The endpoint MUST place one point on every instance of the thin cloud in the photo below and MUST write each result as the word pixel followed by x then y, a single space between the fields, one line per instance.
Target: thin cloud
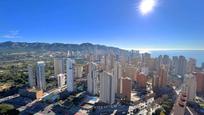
pixel 12 34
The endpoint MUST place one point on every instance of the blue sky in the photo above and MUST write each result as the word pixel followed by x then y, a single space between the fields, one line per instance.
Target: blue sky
pixel 173 24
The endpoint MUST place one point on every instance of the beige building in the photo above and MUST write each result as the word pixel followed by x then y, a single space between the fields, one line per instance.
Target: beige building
pixel 60 80
pixel 59 66
pixel 163 74
pixel 78 70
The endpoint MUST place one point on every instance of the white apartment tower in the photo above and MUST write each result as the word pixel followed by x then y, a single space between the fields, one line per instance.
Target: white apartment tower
pixel 107 90
pixel 92 79
pixel 70 72
pixel 40 74
pixel 117 72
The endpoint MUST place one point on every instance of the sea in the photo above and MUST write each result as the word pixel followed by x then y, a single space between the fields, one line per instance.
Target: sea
pixel 196 54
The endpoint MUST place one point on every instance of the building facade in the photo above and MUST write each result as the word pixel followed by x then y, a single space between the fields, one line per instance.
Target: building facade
pixel 70 75
pixel 31 76
pixel 190 85
pixel 59 66
pixel 60 80
pixel 92 79
pixel 107 90
pixel 127 88
pixel 117 72
pixel 40 75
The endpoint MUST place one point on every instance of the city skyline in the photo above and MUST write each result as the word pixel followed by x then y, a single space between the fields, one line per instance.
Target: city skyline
pixel 101 57
pixel 171 25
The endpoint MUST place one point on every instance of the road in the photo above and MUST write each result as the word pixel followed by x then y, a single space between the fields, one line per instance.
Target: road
pixel 22 108
pixel 8 98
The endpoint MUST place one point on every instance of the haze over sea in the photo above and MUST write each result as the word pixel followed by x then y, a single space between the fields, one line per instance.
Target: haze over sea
pixel 196 54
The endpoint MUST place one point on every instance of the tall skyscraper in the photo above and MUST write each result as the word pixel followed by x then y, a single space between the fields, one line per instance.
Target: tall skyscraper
pixel 155 82
pixel 70 72
pixel 146 57
pixel 182 66
pixel 159 62
pixel 59 66
pixel 31 76
pixel 127 88
pixel 117 72
pixel 163 74
pixel 92 79
pixel 191 65
pixel 190 85
pixel 40 74
pixel 60 80
pixel 107 90
pixel 109 62
pixel 175 65
pixel 166 60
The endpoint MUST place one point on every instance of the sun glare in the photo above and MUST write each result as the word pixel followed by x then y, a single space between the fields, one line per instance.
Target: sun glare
pixel 147 6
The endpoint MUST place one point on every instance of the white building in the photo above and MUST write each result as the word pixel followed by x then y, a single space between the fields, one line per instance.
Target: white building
pixel 107 90
pixel 117 73
pixel 70 75
pixel 60 80
pixel 59 66
pixel 31 76
pixel 190 85
pixel 92 79
pixel 40 74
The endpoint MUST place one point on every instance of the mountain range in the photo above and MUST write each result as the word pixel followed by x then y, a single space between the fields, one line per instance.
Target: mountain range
pixel 11 47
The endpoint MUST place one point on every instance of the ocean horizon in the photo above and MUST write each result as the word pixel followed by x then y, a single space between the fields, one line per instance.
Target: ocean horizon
pixel 195 54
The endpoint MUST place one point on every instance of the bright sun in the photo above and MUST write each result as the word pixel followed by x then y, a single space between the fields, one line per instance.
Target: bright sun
pixel 147 6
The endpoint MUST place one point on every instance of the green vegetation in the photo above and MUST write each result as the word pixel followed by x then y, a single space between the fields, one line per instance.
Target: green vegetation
pixel 7 109
pixel 13 75
pixel 166 107
pixel 202 105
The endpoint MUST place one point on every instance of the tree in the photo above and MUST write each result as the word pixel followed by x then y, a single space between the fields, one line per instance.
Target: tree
pixel 7 109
